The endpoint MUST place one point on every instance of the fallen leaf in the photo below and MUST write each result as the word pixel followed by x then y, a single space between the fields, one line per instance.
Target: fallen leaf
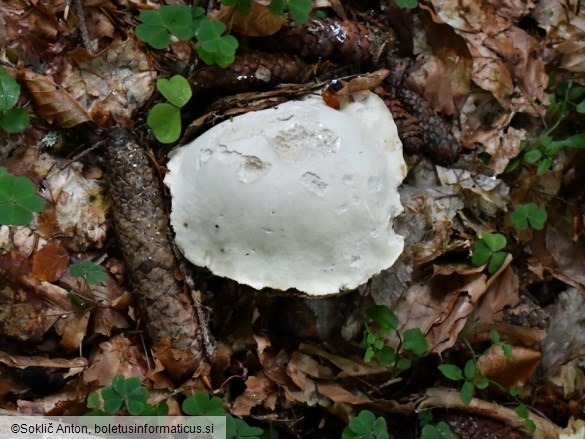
pixel 515 371
pixel 50 262
pixel 54 104
pixel 258 388
pixel 257 22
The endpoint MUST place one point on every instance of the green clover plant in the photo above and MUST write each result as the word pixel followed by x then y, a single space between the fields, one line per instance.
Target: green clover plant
pixel 92 273
pixel 18 199
pixel 165 118
pixel 124 393
pixel 528 214
pixel 472 378
pixel 440 430
pixel 380 323
pixel 366 426
pixel 567 101
pixel 487 248
pixel 186 24
pixel 407 4
pixel 12 120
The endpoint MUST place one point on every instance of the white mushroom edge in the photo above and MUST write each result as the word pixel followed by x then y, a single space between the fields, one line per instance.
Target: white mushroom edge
pixel 298 196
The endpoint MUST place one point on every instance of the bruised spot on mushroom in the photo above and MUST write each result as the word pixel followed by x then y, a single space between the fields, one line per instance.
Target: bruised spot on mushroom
pixel 305 192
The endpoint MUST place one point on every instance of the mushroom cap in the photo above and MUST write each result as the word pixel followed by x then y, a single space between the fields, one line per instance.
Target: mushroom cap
pixel 298 196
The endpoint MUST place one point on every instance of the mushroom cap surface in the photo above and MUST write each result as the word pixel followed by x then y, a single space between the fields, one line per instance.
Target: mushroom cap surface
pixel 298 196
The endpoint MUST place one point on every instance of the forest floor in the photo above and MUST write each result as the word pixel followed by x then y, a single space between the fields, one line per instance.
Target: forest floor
pixel 476 331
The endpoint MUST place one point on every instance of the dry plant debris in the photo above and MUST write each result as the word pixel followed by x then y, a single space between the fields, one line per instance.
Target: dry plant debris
pixel 474 86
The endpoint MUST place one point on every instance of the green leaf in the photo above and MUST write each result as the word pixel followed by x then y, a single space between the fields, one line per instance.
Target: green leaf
pixel 403 364
pixel 386 356
pixel 18 199
pixel 469 370
pixel 112 400
pixel 155 36
pixel 576 141
pixel 581 108
pixel 244 431
pixel 467 392
pixel 530 426
pixel 445 431
pixel 495 241
pixel 494 336
pixel 481 253
pixel 368 355
pixel 515 391
pixel 165 122
pixel 93 273
pixel 363 422
pixel 177 90
pixel 496 262
pixel 135 407
pixel 276 7
pixel 15 120
pixel 544 165
pixel 522 411
pixel 201 404
pixel 429 432
pixel 380 429
pixel 415 341
pixel 383 316
pixel 528 214
pixel 507 350
pixel 407 4
pixel 300 10
pixel 532 156
pixel 93 400
pixel 9 91
pixel 451 371
pixel 482 383
pixel 178 19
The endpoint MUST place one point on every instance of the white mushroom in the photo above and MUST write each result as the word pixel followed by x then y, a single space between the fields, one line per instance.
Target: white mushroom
pixel 299 196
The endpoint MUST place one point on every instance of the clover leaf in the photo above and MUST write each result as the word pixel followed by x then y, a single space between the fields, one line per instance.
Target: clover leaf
pixel 158 24
pixel 125 391
pixel 528 214
pixel 165 121
pixel 93 273
pixel 215 48
pixel 18 199
pixel 200 404
pixel 366 425
pixel 177 90
pixel 9 91
pixel 487 248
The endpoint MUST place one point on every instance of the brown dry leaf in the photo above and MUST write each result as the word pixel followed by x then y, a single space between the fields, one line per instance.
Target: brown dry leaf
pixel 565 33
pixel 117 356
pixel 110 85
pixel 258 389
pixel 21 362
pixel 72 328
pixel 258 22
pixel 24 316
pixel 515 371
pixel 350 367
pixel 53 104
pixel 502 292
pixel 566 247
pixel 441 306
pixel 50 262
pixel 442 71
pixel 504 56
pixel 310 366
pixel 66 401
pixel 336 393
